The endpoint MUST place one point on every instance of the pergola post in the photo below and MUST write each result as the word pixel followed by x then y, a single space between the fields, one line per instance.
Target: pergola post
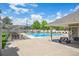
pixel 51 32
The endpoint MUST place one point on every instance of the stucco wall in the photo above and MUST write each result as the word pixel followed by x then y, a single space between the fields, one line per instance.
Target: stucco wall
pixel 78 31
pixel 74 32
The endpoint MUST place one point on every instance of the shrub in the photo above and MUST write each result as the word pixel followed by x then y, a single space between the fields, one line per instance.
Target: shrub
pixel 4 39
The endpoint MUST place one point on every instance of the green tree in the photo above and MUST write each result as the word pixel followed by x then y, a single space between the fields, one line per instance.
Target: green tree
pixel 36 25
pixel 43 24
pixel 47 27
pixel 61 28
pixel 7 21
pixel 58 27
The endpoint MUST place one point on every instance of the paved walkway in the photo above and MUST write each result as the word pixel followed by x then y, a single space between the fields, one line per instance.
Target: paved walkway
pixel 39 47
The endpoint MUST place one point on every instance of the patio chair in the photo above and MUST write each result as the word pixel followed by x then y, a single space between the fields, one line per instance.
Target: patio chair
pixel 64 40
pixel 76 38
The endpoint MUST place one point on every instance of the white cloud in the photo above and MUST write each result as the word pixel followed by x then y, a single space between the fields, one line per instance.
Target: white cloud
pixel 11 17
pixel 50 16
pixel 19 21
pixel 49 20
pixel 2 17
pixel 33 4
pixel 25 4
pixel 35 17
pixel 16 4
pixel 76 8
pixel 39 18
pixel 65 14
pixel 21 9
pixel 71 10
pixel 58 15
pixel 18 9
pixel 22 21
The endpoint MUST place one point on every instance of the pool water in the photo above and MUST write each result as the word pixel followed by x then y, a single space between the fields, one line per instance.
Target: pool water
pixel 43 34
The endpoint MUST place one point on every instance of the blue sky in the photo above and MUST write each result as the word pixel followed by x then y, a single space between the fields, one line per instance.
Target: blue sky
pixel 22 13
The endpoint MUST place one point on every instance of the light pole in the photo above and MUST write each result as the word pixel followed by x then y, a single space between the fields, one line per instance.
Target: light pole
pixel 50 31
pixel 26 25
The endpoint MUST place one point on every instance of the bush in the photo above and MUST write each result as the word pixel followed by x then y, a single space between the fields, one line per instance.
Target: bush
pixel 4 40
pixel 3 45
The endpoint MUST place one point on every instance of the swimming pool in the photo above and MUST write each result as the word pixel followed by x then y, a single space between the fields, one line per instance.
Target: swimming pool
pixel 39 34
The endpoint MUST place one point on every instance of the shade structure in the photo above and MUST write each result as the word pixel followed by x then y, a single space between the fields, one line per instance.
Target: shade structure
pixel 71 18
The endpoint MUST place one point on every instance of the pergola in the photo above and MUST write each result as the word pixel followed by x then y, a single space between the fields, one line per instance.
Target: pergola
pixel 0 35
pixel 9 28
pixel 66 21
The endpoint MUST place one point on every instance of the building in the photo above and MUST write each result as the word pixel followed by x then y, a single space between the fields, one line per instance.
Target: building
pixel 71 21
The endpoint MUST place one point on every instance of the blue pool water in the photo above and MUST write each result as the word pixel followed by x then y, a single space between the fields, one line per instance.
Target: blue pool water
pixel 43 34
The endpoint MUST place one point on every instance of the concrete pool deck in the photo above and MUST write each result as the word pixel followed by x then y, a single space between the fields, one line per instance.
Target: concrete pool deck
pixel 39 47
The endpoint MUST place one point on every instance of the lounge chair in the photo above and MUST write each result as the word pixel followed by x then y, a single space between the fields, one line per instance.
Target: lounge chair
pixel 64 39
pixel 76 38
